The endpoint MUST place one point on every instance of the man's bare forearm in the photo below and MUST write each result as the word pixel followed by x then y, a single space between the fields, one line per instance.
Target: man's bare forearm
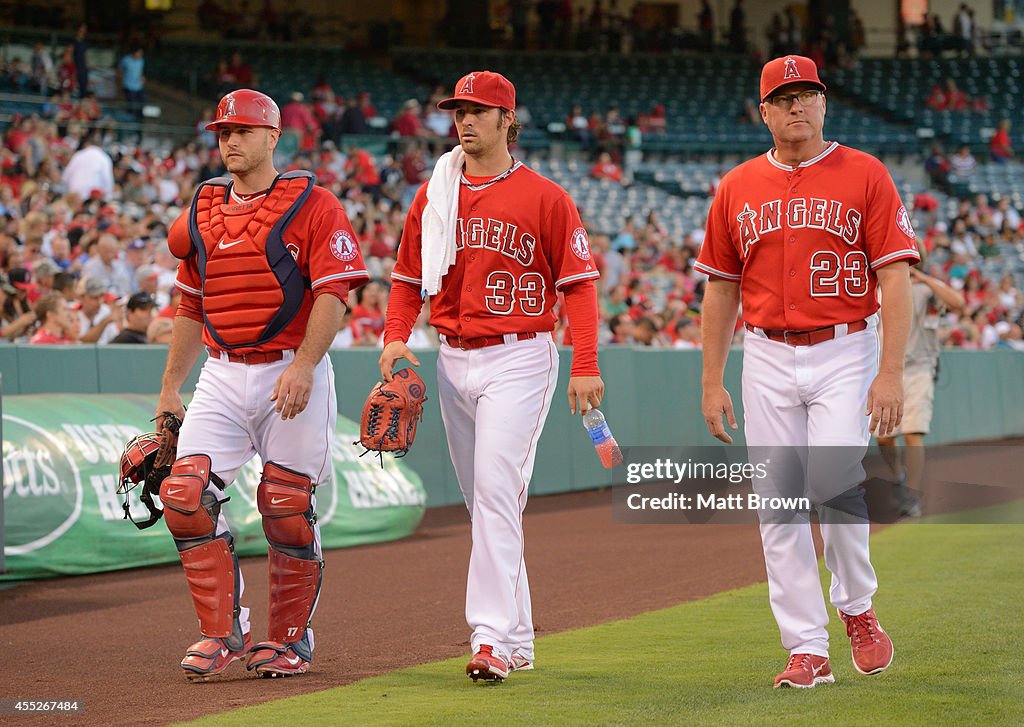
pixel 897 311
pixel 322 327
pixel 183 352
pixel 718 320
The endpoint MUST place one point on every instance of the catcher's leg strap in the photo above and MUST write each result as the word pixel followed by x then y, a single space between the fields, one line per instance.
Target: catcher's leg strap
pixel 285 501
pixel 190 511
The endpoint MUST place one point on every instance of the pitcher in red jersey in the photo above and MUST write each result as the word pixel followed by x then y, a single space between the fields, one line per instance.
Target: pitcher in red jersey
pixel 492 243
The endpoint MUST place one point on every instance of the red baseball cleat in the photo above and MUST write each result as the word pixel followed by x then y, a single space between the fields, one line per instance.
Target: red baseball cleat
pixel 872 648
pixel 485 665
pixel 805 671
pixel 209 657
pixel 272 659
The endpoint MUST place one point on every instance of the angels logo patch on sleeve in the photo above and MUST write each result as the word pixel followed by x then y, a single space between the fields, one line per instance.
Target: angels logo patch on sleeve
pixel 903 222
pixel 343 246
pixel 580 243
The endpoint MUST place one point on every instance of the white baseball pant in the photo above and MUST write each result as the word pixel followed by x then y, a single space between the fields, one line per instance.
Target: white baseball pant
pixel 494 402
pixel 810 400
pixel 232 419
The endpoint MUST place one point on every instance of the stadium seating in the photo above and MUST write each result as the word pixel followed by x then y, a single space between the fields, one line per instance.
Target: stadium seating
pixel 282 69
pixel 606 204
pixel 703 113
pixel 898 89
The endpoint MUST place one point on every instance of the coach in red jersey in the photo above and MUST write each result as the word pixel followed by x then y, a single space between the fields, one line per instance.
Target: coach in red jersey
pixel 492 243
pixel 803 235
pixel 267 261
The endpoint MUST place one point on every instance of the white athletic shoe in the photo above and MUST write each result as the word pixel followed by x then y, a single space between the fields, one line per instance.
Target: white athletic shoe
pixel 520 663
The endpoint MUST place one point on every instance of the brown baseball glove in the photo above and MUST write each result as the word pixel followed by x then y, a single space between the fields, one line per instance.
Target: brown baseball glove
pixel 168 434
pixel 391 413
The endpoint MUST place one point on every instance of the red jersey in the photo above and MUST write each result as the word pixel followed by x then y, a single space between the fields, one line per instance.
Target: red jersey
pixel 321 240
pixel 519 240
pixel 360 167
pixel 804 242
pixel 44 336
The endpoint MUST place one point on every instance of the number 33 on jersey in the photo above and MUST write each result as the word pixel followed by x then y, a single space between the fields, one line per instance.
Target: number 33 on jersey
pixel 804 242
pixel 518 240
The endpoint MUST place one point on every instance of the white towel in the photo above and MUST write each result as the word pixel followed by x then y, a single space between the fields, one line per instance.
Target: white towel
pixel 440 219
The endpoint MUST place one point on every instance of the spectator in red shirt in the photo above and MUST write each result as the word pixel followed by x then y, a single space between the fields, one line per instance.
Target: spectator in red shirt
pixel 947 98
pixel 241 71
pixel 361 170
pixel 1000 148
pixel 67 72
pixel 656 121
pixel 366 106
pixel 368 315
pixel 298 120
pixel 52 311
pixel 605 168
pixel 414 171
pixel 407 123
pixel 937 100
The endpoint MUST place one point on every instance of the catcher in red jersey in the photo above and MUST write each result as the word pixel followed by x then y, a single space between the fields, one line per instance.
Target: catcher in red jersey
pixel 802 235
pixel 267 261
pixel 492 243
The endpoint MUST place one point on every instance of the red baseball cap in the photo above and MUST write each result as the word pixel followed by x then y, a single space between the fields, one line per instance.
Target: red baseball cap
pixel 783 71
pixel 483 87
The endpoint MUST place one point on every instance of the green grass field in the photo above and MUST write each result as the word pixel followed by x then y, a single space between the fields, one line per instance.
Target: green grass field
pixel 951 599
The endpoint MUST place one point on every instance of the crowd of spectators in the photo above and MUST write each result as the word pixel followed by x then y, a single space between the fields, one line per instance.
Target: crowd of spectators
pixel 83 226
pixel 610 132
pixel 604 26
pixel 933 39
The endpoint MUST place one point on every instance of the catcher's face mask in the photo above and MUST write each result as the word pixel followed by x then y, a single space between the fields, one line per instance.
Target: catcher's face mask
pixel 137 468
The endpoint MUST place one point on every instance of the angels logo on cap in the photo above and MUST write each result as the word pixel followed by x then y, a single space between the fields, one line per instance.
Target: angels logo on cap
pixel 482 87
pixel 229 106
pixel 784 70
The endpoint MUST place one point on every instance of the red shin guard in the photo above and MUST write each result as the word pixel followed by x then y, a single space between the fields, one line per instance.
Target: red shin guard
pixel 294 584
pixel 210 570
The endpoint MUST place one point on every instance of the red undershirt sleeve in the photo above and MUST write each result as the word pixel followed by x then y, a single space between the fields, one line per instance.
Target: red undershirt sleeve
pixel 581 308
pixel 339 289
pixel 404 303
pixel 190 306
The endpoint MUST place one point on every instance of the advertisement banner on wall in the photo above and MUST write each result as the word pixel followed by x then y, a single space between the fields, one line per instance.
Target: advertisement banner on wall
pixel 61 458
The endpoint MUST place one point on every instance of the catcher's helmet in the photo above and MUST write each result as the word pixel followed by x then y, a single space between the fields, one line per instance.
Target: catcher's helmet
pixel 246 107
pixel 137 468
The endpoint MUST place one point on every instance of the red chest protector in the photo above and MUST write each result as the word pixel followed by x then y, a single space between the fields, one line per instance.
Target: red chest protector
pixel 252 286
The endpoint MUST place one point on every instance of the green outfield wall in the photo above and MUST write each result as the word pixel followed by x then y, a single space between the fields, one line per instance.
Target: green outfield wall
pixel 652 398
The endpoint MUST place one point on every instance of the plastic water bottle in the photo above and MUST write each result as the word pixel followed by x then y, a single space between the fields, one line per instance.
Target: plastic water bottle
pixel 605 444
